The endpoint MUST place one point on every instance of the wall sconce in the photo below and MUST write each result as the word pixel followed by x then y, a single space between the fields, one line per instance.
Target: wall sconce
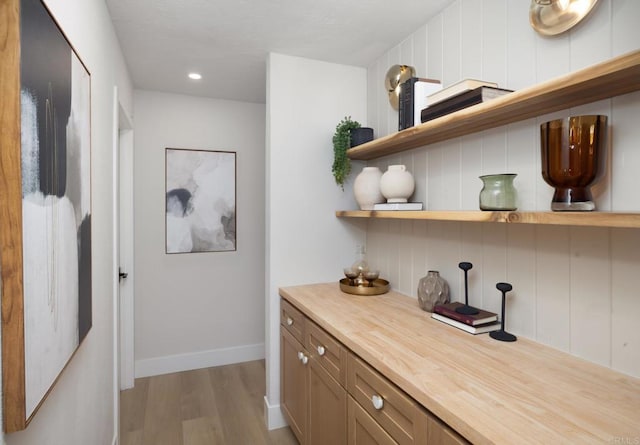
pixel 552 17
pixel 396 75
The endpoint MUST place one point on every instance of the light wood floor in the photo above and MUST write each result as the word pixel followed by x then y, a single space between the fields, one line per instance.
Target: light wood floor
pixel 221 405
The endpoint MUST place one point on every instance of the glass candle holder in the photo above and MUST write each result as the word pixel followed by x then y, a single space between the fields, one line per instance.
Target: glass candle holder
pixel 572 152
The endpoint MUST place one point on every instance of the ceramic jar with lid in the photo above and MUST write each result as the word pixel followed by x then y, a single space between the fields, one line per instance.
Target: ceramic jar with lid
pixel 397 184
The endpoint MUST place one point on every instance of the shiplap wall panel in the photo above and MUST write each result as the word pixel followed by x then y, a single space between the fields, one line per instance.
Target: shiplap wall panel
pixel 574 288
pixel 553 288
pixel 625 307
pixel 471 46
pixel 625 156
pixel 471 164
pixel 494 41
pixel 521 264
pixel 590 283
pixel 522 157
pixel 625 32
pixel 435 52
pixel 419 39
pixel 521 48
pixel 451 48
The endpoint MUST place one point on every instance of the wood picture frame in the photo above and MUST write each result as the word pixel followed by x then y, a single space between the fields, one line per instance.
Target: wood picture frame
pixel 45 206
pixel 200 191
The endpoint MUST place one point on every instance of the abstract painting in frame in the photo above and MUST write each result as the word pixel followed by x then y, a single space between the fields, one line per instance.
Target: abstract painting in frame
pixel 46 208
pixel 200 200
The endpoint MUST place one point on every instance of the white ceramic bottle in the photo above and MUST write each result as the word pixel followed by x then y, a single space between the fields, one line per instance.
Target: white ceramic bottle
pixel 397 184
pixel 366 188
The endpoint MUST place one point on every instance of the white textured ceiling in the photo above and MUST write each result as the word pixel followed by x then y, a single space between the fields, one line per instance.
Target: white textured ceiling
pixel 228 41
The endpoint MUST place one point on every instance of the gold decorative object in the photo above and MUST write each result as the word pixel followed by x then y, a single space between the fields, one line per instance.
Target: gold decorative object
pixel 375 287
pixel 552 17
pixel 396 75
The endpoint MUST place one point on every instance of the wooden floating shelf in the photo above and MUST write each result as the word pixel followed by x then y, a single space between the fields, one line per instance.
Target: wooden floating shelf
pixel 590 219
pixel 620 75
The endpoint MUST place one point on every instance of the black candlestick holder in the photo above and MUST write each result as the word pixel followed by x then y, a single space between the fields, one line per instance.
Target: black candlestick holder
pixel 466 309
pixel 503 335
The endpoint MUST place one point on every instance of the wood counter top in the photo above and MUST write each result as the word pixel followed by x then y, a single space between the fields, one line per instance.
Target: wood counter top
pixel 489 391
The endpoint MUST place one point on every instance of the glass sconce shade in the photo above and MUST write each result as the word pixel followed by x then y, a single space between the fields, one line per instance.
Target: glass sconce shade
pixel 572 152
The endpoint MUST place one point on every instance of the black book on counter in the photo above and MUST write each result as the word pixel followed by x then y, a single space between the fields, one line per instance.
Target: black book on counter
pixel 464 100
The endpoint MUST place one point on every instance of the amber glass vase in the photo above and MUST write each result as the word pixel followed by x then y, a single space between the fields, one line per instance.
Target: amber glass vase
pixel 573 159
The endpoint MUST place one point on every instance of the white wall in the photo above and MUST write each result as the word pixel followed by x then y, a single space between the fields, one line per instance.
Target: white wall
pixel 202 309
pixel 574 288
pixel 305 241
pixel 79 410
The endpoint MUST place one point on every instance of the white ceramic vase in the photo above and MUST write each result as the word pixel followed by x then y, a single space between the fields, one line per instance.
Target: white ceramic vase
pixel 366 188
pixel 397 184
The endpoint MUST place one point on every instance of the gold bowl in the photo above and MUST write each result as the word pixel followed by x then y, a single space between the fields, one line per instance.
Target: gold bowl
pixel 378 287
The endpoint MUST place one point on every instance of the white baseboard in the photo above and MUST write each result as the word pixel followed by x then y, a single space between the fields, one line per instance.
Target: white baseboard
pixel 273 416
pixel 198 360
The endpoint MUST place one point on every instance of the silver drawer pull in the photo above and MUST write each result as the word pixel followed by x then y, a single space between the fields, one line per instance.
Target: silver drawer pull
pixel 321 350
pixel 289 321
pixel 378 402
pixel 304 359
pixel 300 355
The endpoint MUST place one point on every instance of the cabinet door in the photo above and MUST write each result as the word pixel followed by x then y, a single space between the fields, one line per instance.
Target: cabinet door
pixel 363 430
pixel 441 434
pixel 293 383
pixel 327 408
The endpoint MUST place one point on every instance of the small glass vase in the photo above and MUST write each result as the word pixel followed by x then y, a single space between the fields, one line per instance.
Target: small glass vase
pixel 432 290
pixel 498 192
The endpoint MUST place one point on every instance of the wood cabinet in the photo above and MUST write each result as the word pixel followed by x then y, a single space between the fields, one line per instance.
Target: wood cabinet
pixel 313 397
pixel 331 396
pixel 294 381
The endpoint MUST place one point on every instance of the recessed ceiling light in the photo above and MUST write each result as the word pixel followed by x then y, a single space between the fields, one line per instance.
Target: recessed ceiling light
pixel 195 76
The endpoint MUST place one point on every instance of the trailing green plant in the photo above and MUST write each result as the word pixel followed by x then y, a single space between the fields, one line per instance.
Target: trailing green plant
pixel 341 143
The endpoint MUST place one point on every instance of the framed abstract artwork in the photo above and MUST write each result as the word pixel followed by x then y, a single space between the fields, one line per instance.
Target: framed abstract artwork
pixel 200 201
pixel 45 202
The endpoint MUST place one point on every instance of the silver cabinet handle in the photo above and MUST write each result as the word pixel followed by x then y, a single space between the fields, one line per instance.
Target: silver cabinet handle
pixel 304 359
pixel 289 321
pixel 321 350
pixel 378 402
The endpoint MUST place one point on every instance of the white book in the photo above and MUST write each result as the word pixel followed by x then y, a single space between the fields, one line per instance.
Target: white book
pixel 398 206
pixel 421 90
pixel 480 329
pixel 458 88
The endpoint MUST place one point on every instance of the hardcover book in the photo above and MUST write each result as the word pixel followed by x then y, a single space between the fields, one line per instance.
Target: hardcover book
pixel 457 88
pixel 464 100
pixel 449 310
pixel 398 206
pixel 480 329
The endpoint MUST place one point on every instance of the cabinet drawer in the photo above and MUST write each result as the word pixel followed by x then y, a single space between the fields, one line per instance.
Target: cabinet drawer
pixel 327 351
pixel 398 414
pixel 292 320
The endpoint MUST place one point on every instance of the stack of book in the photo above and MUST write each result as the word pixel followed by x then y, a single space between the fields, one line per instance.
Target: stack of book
pixel 398 206
pixel 482 322
pixel 460 95
pixel 413 98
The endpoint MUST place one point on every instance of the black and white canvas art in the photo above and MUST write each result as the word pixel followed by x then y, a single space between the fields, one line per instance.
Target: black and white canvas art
pixel 200 201
pixel 56 200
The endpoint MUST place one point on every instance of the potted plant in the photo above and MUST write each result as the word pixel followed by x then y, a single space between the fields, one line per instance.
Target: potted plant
pixel 341 143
